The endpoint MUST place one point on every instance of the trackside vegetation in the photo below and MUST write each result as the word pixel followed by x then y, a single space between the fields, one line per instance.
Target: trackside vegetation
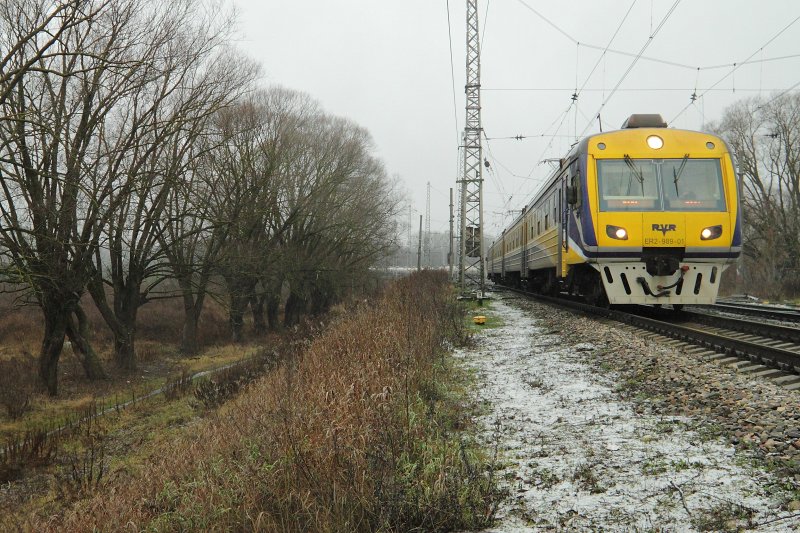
pixel 366 430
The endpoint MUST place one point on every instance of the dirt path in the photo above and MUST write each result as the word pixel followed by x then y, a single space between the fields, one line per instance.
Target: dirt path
pixel 577 457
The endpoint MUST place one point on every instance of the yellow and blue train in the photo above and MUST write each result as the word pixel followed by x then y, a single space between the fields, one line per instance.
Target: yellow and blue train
pixel 641 215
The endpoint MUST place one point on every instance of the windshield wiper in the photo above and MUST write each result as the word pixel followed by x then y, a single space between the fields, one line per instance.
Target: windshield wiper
pixel 676 174
pixel 637 173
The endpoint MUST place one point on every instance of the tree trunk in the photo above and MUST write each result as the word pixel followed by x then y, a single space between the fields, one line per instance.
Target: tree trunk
pixel 272 301
pixel 121 319
pixel 257 304
pixel 55 326
pixel 273 307
pixel 78 334
pixel 236 316
pixel 295 305
pixel 240 289
pixel 193 299
pixel 191 317
pixel 125 348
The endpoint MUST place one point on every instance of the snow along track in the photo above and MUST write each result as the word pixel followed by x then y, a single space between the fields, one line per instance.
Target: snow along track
pixel 576 457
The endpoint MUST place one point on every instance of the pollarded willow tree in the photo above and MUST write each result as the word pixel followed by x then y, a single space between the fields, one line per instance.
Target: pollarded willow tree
pixel 51 213
pixel 93 131
pixel 298 201
pixel 765 136
pixel 151 142
pixel 350 225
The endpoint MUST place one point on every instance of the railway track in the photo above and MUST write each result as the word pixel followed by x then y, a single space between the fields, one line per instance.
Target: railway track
pixel 762 349
pixel 756 310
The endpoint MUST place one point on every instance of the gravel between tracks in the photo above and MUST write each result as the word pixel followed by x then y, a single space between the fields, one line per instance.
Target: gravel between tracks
pixel 600 430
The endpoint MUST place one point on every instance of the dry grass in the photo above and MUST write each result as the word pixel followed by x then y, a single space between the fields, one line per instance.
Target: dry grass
pixel 355 434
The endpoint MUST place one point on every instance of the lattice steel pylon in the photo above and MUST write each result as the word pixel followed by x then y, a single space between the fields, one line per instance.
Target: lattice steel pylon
pixel 470 262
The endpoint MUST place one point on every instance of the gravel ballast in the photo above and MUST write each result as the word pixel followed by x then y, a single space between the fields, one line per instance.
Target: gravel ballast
pixel 602 429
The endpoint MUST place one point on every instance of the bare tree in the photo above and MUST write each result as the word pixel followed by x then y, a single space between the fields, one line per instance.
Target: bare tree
pixel 765 136
pixel 349 226
pixel 94 133
pixel 51 215
pixel 38 26
pixel 149 147
pixel 264 140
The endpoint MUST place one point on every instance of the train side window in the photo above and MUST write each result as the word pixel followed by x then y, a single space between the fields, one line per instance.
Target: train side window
pixel 575 186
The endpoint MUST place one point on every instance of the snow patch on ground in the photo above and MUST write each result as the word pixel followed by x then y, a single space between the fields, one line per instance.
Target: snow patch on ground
pixel 576 457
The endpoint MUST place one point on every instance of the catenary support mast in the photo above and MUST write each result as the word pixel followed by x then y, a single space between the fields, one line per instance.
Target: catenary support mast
pixel 471 263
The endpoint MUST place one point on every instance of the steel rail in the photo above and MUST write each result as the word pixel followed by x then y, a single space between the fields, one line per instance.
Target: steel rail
pixel 771 331
pixel 770 312
pixel 783 359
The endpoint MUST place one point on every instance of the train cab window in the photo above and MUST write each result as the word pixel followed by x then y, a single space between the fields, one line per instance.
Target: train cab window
pixel 692 185
pixel 628 185
pixel 660 185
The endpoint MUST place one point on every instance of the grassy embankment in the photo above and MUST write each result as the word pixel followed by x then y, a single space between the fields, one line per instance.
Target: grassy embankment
pixel 361 432
pixel 157 352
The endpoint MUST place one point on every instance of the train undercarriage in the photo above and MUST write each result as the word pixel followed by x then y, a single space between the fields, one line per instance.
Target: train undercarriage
pixel 621 283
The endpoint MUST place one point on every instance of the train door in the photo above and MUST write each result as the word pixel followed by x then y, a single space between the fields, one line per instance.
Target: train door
pixel 559 225
pixel 523 271
pixel 503 259
pixel 563 218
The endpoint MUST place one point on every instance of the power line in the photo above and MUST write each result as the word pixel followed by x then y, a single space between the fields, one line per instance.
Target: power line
pixel 523 137
pixel 549 22
pixel 736 66
pixel 599 59
pixel 642 57
pixel 452 70
pixel 565 114
pixel 633 63
pixel 765 104
pixel 483 32
pixel 621 90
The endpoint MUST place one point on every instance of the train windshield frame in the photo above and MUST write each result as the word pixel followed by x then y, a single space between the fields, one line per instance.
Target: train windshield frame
pixel 679 184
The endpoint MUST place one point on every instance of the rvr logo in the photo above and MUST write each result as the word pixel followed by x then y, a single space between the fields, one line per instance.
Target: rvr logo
pixel 664 228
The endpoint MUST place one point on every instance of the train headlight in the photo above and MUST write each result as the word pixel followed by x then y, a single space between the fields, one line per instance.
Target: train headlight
pixel 655 142
pixel 615 232
pixel 712 232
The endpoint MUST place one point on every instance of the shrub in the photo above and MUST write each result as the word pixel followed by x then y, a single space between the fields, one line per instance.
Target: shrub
pixel 84 468
pixel 17 382
pixel 34 448
pixel 214 390
pixel 178 386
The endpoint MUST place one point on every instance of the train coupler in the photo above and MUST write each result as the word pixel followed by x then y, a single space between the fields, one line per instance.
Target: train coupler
pixel 649 292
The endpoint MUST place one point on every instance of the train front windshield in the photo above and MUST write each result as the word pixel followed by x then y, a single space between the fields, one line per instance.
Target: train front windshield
pixel 660 185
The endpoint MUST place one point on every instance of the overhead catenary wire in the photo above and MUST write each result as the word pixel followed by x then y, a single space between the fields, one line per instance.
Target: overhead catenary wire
pixel 621 89
pixel 738 65
pixel 578 92
pixel 647 43
pixel 697 90
pixel 779 95
pixel 452 71
pixel 645 57
pixel 573 101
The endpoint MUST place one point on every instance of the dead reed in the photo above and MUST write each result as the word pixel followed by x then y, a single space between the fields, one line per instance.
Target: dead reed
pixel 356 433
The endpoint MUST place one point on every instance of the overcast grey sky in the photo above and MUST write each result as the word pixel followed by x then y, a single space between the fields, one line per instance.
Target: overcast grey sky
pixel 386 65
